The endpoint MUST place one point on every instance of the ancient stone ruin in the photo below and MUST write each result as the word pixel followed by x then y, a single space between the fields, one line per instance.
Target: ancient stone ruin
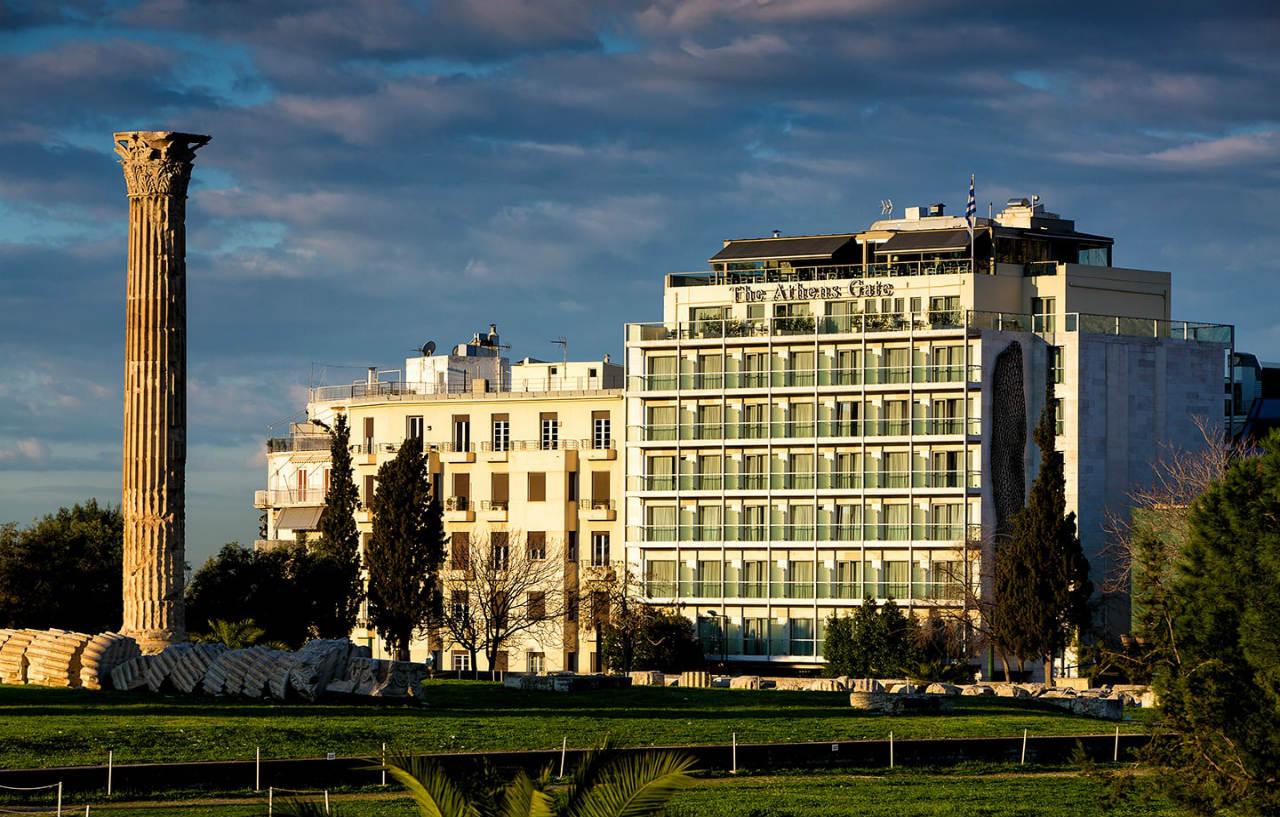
pixel 320 669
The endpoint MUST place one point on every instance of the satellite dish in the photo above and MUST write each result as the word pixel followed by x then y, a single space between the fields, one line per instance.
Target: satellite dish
pixel 428 348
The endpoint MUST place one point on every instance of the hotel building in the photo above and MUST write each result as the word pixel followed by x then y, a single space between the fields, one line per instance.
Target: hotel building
pixel 821 419
pixel 524 456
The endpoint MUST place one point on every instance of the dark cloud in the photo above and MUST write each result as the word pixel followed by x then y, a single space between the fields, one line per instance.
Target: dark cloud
pixel 383 173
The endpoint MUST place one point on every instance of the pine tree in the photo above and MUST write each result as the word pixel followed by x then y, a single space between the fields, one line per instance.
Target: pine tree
pixel 338 590
pixel 405 551
pixel 1042 585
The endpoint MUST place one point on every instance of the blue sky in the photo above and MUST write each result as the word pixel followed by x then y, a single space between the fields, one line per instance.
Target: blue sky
pixel 384 173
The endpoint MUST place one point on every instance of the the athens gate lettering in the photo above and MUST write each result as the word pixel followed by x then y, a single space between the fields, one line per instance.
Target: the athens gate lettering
pixel 803 292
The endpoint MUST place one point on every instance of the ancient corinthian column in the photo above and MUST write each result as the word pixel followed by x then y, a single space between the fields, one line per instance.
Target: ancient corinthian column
pixel 157 167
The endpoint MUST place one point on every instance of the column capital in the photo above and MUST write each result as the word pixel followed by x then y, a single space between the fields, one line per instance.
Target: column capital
pixel 157 163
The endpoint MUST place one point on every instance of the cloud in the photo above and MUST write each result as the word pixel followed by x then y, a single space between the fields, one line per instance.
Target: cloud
pixel 27 452
pixel 1261 149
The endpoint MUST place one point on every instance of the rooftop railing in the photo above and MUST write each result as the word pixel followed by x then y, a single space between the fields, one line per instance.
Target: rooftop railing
pixel 839 272
pixel 298 442
pixel 802 325
pixel 393 389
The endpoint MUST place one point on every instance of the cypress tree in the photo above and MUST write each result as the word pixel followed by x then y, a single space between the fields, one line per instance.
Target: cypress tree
pixel 1042 585
pixel 337 590
pixel 405 551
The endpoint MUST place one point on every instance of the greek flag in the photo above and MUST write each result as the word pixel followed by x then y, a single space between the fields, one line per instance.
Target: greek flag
pixel 971 209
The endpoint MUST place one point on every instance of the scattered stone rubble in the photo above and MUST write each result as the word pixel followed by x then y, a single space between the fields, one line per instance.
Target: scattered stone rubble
pixel 325 667
pixel 566 682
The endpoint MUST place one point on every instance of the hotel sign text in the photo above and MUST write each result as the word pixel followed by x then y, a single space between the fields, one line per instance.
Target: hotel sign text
pixel 803 292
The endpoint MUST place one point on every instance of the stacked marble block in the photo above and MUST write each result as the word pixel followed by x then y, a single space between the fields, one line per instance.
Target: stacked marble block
pixel 110 660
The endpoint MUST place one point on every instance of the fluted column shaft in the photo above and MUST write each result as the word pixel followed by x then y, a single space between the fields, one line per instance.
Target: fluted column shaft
pixel 157 168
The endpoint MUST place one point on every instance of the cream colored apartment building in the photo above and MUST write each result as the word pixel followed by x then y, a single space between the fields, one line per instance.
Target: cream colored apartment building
pixel 523 455
pixel 821 419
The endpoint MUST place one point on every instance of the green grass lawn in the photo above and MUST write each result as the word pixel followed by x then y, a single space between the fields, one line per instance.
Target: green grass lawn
pixel 49 727
pixel 899 794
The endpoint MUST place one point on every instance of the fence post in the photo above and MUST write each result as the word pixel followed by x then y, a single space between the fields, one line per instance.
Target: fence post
pixel 111 757
pixel 735 753
pixel 257 770
pixel 384 763
pixel 1023 761
pixel 59 798
pixel 269 801
pixel 1115 756
pixel 326 801
pixel 564 744
pixel 890 750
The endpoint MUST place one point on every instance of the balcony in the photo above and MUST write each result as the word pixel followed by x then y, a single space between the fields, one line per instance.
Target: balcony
pixel 494 451
pixel 598 510
pixel 807 532
pixel 808 378
pixel 926 321
pixel 285 498
pixel 298 442
pixel 459 509
pixel 494 510
pixel 598 449
pixel 456 452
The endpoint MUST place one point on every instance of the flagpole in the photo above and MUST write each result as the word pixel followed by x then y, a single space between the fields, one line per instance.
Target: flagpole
pixel 971 215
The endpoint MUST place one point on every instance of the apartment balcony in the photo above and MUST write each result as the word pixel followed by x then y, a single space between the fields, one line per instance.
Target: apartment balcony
pixel 298 442
pixel 903 592
pixel 456 452
pixel 598 449
pixel 807 429
pixel 598 510
pixel 806 532
pixel 494 452
pixel 285 498
pixel 459 509
pixel 931 375
pixel 494 510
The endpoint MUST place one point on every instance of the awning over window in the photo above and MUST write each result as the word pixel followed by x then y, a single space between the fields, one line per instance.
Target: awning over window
pixel 299 518
pixel 815 247
pixel 925 241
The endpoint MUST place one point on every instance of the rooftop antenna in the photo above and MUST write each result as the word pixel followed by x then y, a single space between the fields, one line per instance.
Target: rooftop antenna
pixel 427 349
pixel 886 207
pixel 563 343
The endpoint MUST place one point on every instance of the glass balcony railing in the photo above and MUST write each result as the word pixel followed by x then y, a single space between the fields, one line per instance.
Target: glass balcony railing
pixel 805 378
pixel 928 591
pixel 807 532
pixel 807 480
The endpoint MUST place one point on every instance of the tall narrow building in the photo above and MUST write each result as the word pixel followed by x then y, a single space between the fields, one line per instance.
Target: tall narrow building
pixel 157 169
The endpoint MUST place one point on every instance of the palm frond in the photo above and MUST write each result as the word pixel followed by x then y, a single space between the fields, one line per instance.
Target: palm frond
pixel 585 774
pixel 431 789
pixel 523 798
pixel 638 785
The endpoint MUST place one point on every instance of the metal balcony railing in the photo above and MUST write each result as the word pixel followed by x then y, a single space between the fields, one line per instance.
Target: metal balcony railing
pixel 298 442
pixel 284 497
pixel 806 532
pixel 803 378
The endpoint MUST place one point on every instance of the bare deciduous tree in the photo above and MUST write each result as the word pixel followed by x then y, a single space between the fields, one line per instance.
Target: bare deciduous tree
pixel 500 586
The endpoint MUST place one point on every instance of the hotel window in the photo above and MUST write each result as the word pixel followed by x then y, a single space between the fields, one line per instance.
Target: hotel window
pixel 370 481
pixel 709 422
pixel 1056 363
pixel 754 527
pixel 535 663
pixel 662 523
pixel 301 477
pixel 661 424
pixel 537 486
pixel 754 472
pixel 461 492
pixel 550 431
pixel 601 430
pixel 896 584
pixel 413 428
pixel 755 367
pixel 460 550
pixel 662 472
pixel 501 432
pixel 944 310
pixel 1059 417
pixel 708 521
pixel 707 321
pixel 537 605
pixel 755 636
pixel 709 473
pixel 461 432
pixel 460 605
pixel 848 371
pixel 571 545
pixel 662 372
pixel 536 545
pixel 368 435
pixel 1043 311
pixel 500 549
pixel 660 579
pixel 499 490
pixel 710 371
pixel 599 549
pixel 600 494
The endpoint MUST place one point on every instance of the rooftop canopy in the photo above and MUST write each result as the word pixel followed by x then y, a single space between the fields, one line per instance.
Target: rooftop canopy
pixel 811 247
pixel 925 241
